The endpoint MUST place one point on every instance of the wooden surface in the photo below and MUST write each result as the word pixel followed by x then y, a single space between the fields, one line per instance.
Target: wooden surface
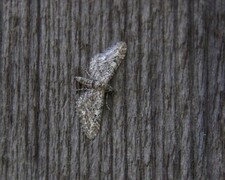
pixel 167 116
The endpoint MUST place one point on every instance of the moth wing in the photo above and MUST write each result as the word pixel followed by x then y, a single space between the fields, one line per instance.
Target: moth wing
pixel 89 109
pixel 102 69
pixel 103 65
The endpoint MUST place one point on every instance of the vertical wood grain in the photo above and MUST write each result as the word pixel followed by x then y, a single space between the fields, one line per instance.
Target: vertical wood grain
pixel 167 114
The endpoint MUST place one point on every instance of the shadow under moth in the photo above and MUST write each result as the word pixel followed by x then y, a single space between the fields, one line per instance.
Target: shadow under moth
pixel 90 103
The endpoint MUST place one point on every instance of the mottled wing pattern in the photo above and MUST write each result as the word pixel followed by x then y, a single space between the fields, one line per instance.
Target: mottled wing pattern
pixel 103 65
pixel 89 109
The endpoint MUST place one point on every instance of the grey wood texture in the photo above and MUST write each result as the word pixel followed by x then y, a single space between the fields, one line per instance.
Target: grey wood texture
pixel 167 116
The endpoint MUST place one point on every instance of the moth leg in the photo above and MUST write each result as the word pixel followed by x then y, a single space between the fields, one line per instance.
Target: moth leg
pixel 109 89
pixel 87 73
pixel 106 102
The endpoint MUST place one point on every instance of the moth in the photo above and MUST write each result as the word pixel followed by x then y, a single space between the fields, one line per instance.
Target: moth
pixel 90 104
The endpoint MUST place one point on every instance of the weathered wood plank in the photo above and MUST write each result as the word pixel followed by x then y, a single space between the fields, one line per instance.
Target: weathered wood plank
pixel 166 118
